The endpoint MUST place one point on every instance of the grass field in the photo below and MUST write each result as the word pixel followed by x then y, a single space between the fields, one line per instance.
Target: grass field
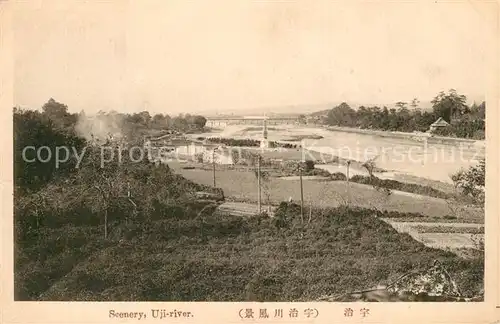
pixel 243 185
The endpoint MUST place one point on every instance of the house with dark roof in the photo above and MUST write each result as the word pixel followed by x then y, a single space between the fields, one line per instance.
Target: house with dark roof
pixel 439 123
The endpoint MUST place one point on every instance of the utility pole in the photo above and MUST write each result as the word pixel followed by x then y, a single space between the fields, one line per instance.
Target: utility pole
pixel 258 184
pixel 348 184
pixel 213 164
pixel 301 195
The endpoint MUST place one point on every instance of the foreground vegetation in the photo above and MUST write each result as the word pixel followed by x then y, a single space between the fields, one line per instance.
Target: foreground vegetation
pixel 201 256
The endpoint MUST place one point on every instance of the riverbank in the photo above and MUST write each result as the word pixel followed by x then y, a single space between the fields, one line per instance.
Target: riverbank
pixel 416 136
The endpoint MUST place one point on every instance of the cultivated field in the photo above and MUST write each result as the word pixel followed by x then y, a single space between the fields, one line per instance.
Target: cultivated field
pixel 243 185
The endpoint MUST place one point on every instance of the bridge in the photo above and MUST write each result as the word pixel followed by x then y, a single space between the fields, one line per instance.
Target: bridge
pixel 222 121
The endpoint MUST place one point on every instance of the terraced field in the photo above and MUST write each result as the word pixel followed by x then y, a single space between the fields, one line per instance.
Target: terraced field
pixel 452 236
pixel 442 224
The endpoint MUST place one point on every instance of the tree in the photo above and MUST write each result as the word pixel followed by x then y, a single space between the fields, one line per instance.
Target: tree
pixel 54 109
pixel 401 105
pixel 369 165
pixel 308 166
pixel 362 117
pixel 414 103
pixel 342 115
pixel 406 122
pixel 394 122
pixel 199 121
pixel 384 119
pixel 482 110
pixel 179 123
pixel 426 120
pixel 59 115
pixel 145 118
pixel 471 182
pixel 265 184
pixel 34 129
pixel 449 106
pixel 159 120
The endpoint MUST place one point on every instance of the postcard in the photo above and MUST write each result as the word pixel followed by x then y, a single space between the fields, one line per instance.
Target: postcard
pixel 250 161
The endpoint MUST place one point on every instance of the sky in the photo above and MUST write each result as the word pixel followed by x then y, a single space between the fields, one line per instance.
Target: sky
pixel 180 56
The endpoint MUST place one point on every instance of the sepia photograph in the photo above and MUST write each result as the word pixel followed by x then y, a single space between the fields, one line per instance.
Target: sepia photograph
pixel 250 151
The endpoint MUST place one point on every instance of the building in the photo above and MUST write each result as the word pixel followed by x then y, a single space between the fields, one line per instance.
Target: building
pixel 439 123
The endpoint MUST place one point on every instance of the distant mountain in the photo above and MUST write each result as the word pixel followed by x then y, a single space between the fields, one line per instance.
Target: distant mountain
pixel 306 109
pixel 320 113
pixel 290 110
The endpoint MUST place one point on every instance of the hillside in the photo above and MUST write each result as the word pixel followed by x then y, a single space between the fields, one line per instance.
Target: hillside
pixel 191 256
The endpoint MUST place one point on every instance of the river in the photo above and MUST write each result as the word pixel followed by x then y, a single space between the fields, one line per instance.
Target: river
pixel 421 158
pixel 417 155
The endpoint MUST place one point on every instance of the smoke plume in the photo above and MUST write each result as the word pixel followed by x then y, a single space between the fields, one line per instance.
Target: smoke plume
pixel 100 127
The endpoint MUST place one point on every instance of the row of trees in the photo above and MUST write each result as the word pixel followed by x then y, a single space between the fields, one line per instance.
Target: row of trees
pixel 144 120
pixel 183 122
pixel 58 114
pixel 466 121
pixel 54 126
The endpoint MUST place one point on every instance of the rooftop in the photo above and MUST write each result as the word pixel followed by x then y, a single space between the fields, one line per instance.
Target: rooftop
pixel 440 122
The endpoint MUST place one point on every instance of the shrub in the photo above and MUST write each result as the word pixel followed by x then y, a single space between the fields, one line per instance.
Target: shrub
pixel 308 165
pixel 401 186
pixel 199 157
pixel 318 172
pixel 338 176
pixel 396 214
pixel 471 182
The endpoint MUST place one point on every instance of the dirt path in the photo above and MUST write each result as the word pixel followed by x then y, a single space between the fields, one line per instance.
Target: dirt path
pixel 243 209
